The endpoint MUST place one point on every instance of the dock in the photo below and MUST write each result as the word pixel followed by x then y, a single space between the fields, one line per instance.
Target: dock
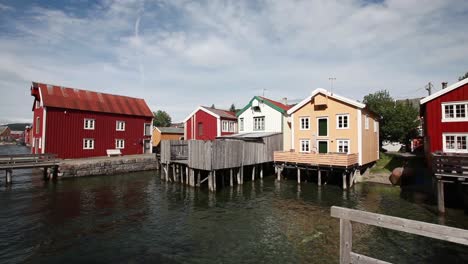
pixel 225 161
pixel 48 162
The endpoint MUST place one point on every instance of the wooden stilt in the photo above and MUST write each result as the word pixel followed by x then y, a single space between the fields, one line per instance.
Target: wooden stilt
pixel 319 178
pixel 198 179
pixel 238 177
pixel 214 180
pixel 44 174
pixel 222 179
pixel 187 179
pixel 210 181
pixel 174 173
pixel 230 178
pixel 440 196
pixel 278 173
pixel 8 176
pixel 298 175
pixel 242 175
pixel 261 171
pixel 253 173
pixel 344 180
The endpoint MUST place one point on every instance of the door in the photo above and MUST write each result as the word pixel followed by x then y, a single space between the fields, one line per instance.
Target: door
pixel 323 146
pixel 147 145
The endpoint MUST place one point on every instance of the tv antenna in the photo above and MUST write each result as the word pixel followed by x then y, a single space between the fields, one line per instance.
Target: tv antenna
pixel 331 79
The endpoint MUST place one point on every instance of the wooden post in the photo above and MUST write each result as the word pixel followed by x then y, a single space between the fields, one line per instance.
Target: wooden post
pixel 278 173
pixel 238 177
pixel 222 180
pixel 187 181
pixel 344 180
pixel 163 166
pixel 298 175
pixel 261 171
pixel 198 179
pixel 242 174
pixel 230 178
pixel 440 196
pixel 210 181
pixel 253 173
pixel 346 241
pixel 8 172
pixel 174 173
pixel 214 180
pixel 44 174
pixel 319 178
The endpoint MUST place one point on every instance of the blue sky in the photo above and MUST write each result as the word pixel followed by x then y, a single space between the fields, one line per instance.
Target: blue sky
pixel 179 54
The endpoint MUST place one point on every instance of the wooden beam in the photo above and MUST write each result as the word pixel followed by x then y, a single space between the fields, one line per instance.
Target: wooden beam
pixel 231 183
pixel 346 241
pixel 440 197
pixel 358 258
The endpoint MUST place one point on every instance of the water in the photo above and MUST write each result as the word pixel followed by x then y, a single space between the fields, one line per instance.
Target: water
pixel 137 218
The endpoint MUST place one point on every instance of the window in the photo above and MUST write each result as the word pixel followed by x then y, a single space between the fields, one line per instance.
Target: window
pixel 455 143
pixel 342 121
pixel 305 145
pixel 225 126
pixel 455 111
pixel 119 143
pixel 200 129
pixel 322 126
pixel 120 126
pixel 305 123
pixel 88 143
pixel 376 125
pixel 89 124
pixel 147 129
pixel 232 126
pixel 259 123
pixel 343 145
pixel 38 123
pixel 228 126
pixel 241 124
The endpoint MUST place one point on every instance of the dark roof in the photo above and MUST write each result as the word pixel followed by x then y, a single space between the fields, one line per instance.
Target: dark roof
pixel 221 113
pixel 71 98
pixel 278 104
pixel 171 130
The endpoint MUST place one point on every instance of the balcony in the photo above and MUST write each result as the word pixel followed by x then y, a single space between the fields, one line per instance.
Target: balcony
pixel 316 159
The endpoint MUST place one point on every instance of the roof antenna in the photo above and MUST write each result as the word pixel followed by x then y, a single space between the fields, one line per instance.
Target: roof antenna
pixel 263 93
pixel 331 81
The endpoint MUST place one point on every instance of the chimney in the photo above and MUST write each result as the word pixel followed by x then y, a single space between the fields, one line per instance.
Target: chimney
pixel 444 85
pixel 284 100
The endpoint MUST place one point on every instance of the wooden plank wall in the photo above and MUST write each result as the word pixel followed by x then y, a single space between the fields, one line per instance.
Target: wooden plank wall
pixel 199 154
pixel 333 159
pixel 165 151
pixel 179 149
pixel 226 154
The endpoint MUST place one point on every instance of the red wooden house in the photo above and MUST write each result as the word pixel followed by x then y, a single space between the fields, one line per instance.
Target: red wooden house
pixel 445 119
pixel 206 123
pixel 27 136
pixel 75 123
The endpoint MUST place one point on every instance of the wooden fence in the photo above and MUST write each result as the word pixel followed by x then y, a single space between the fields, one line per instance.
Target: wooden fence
pixel 347 216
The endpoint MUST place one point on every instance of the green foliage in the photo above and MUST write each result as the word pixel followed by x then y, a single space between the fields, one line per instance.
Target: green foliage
pixel 463 77
pixel 232 108
pixel 399 120
pixel 161 119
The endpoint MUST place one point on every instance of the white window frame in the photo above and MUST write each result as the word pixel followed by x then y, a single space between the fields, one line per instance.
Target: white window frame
pixel 301 127
pixel 308 144
pixel 366 122
pixel 91 125
pixel 328 126
pixel 90 145
pixel 262 128
pixel 120 126
pixel 232 126
pixel 241 124
pixel 120 143
pixel 338 121
pixel 338 141
pixel 455 119
pixel 225 126
pixel 444 145
pixel 149 130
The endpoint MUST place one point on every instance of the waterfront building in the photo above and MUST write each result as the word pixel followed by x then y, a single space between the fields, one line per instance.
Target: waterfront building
pixel 5 133
pixel 262 115
pixel 166 133
pixel 74 123
pixel 207 123
pixel 27 136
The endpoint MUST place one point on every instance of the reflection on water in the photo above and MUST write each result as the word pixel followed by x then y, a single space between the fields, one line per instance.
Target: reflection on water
pixel 138 218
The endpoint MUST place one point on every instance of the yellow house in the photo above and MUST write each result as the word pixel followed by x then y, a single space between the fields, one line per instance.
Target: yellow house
pixel 331 130
pixel 166 133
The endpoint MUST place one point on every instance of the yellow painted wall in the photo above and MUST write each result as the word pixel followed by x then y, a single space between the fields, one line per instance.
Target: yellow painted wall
pixel 333 108
pixel 370 139
pixel 157 137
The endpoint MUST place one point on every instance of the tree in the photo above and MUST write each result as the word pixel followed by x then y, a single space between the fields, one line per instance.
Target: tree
pixel 463 77
pixel 213 106
pixel 398 120
pixel 232 108
pixel 161 119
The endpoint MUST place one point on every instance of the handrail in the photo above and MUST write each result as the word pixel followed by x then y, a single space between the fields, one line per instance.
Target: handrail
pixel 346 216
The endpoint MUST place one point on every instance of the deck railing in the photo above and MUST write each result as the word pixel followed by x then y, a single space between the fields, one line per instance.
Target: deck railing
pixel 450 165
pixel 319 159
pixel 347 216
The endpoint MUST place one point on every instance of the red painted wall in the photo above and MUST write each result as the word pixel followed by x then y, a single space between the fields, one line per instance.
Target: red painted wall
pixel 433 125
pixel 37 130
pixel 210 126
pixel 65 133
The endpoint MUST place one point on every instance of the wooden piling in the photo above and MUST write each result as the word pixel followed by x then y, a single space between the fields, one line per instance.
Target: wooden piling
pixel 319 178
pixel 210 181
pixel 230 178
pixel 238 177
pixel 298 175
pixel 278 172
pixel 187 175
pixel 174 173
pixel 253 173
pixel 8 175
pixel 198 179
pixel 344 180
pixel 440 196
pixel 214 180
pixel 242 175
pixel 261 171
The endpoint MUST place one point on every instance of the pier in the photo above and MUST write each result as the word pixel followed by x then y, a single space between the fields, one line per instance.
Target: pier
pixel 48 162
pixel 223 161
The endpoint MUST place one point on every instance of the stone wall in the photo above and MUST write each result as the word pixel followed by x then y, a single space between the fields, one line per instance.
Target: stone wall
pixel 106 165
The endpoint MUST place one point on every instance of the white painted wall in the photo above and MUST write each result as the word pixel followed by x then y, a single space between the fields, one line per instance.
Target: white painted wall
pixel 272 118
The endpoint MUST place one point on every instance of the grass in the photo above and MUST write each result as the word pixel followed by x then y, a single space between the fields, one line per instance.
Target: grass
pixel 387 163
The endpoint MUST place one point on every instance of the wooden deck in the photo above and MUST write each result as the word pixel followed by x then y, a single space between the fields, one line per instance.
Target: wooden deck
pixel 27 161
pixel 348 216
pixel 315 159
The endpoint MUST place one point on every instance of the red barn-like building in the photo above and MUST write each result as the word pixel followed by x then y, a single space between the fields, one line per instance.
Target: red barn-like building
pixel 445 119
pixel 75 123
pixel 206 123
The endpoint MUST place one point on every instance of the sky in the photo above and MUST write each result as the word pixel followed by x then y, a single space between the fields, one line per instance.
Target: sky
pixel 178 54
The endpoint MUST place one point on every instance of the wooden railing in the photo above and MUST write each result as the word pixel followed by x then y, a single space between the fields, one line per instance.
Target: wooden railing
pixel 26 158
pixel 328 159
pixel 347 216
pixel 450 165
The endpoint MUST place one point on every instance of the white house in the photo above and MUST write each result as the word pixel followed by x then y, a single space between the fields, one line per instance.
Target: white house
pixel 264 115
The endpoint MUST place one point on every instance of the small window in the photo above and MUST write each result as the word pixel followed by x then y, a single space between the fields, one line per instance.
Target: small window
pixel 89 123
pixel 342 121
pixel 225 126
pixel 241 124
pixel 200 129
pixel 259 123
pixel 343 145
pixel 455 111
pixel 232 126
pixel 147 129
pixel 305 145
pixel 305 123
pixel 456 143
pixel 38 123
pixel 367 122
pixel 119 144
pixel 88 143
pixel 120 125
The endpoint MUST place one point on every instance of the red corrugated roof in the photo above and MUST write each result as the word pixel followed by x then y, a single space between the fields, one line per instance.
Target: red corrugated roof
pixel 71 98
pixel 278 104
